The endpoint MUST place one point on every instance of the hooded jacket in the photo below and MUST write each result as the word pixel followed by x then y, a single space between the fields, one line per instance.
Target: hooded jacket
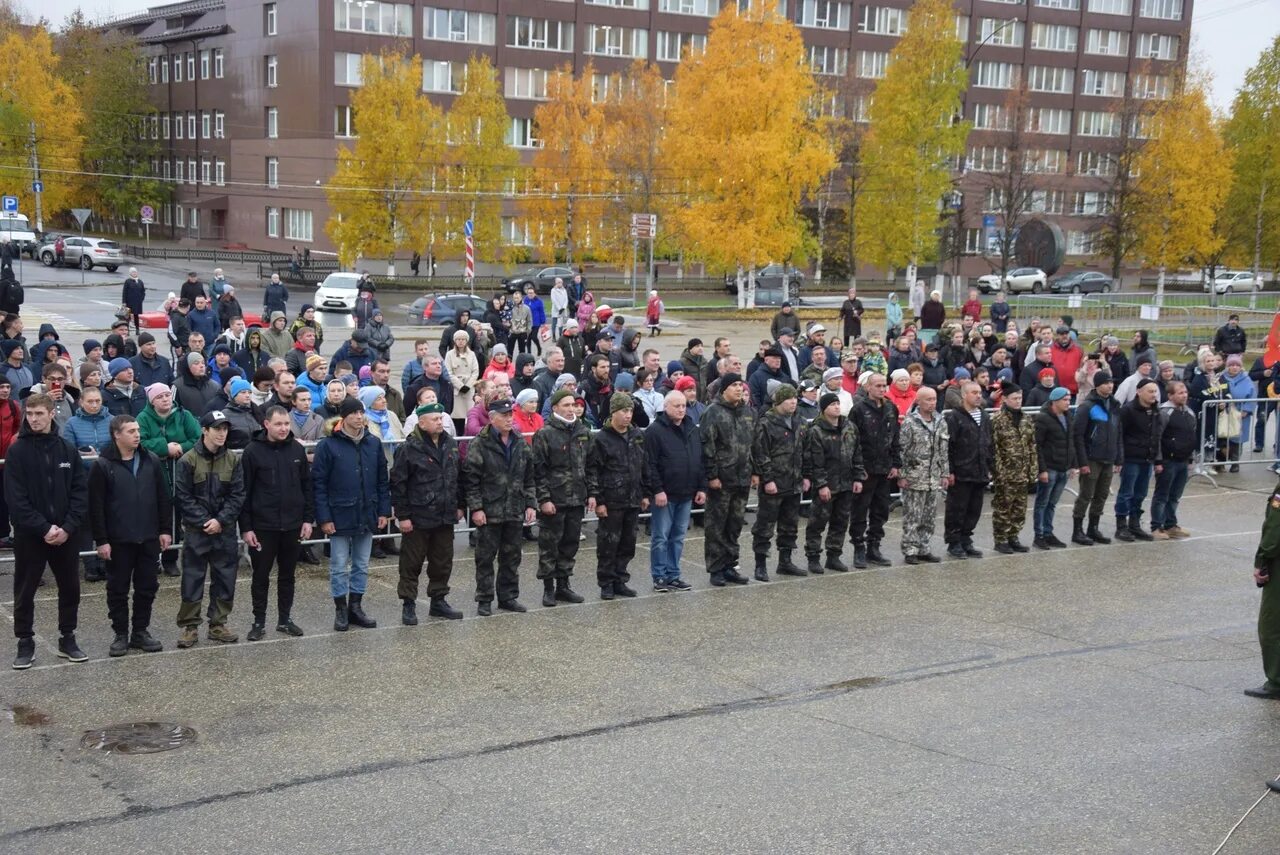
pixel 926 451
pixel 497 477
pixel 277 486
pixel 878 433
pixel 194 394
pixel 276 343
pixel 1097 431
pixel 560 461
pixel 775 452
pixel 124 402
pixel 617 468
pixel 157 432
pixel 113 484
pixel 209 485
pixel 45 483
pixel 251 358
pixel 89 431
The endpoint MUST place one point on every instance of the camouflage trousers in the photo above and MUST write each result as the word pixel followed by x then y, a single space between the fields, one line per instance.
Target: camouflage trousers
pixel 919 516
pixel 1008 510
pixel 726 511
pixel 558 541
pixel 833 516
pixel 616 544
pixel 780 511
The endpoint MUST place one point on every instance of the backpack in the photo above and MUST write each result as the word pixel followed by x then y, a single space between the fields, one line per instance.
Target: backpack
pixel 11 292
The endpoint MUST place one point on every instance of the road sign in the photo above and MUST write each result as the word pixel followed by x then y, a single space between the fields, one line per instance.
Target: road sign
pixel 148 212
pixel 468 228
pixel 10 203
pixel 469 271
pixel 146 221
pixel 81 214
pixel 644 225
pixel 37 186
pixel 989 221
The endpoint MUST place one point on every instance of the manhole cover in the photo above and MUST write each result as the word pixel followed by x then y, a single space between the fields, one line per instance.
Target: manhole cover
pixel 142 737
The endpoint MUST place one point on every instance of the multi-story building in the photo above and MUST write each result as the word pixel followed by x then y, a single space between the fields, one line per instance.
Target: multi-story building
pixel 254 97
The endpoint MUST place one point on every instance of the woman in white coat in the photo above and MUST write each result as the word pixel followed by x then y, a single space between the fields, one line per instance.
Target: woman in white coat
pixel 464 371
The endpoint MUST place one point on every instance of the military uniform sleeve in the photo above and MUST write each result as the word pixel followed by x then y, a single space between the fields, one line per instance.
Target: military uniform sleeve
pixel 530 500
pixel 859 468
pixel 473 475
pixel 707 429
pixel 595 460
pixel 400 482
pixel 539 457
pixel 813 460
pixel 1269 543
pixel 762 463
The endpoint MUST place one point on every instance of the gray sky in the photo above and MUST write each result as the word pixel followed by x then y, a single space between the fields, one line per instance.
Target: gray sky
pixel 1229 34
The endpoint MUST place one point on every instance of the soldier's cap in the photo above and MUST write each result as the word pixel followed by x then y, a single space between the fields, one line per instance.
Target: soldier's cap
pixel 620 401
pixel 213 418
pixel 502 405
pixel 729 378
pixel 827 400
pixel 559 395
pixel 1008 387
pixel 773 350
pixel 786 331
pixel 427 409
pixel 1058 394
pixel 784 392
pixel 807 385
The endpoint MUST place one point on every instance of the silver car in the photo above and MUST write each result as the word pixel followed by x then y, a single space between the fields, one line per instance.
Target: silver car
pixel 86 252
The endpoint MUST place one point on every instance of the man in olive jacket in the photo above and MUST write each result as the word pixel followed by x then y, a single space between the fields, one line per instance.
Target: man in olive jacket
pixel 617 491
pixel 1265 560
pixel 427 499
pixel 775 461
pixel 728 430
pixel 560 485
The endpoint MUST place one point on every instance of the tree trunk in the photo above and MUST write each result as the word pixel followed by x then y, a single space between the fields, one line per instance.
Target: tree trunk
pixel 1160 286
pixel 1257 248
pixel 751 287
pixel 742 288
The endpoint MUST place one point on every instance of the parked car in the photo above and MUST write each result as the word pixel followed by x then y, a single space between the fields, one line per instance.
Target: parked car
pixel 86 252
pixel 542 279
pixel 443 309
pixel 772 278
pixel 17 228
pixel 1031 279
pixel 1228 281
pixel 337 293
pixel 158 320
pixel 1082 282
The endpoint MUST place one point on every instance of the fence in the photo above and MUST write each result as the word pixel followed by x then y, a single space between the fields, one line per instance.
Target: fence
pixel 1233 434
pixel 215 256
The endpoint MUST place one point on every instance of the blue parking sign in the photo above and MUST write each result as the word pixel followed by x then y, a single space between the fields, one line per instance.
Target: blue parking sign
pixel 10 203
pixel 37 186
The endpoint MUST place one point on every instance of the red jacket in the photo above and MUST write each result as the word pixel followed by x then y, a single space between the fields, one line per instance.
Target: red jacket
pixel 972 308
pixel 10 424
pixel 901 400
pixel 1066 361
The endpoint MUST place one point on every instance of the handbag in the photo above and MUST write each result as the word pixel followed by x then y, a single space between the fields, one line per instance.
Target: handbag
pixel 1229 423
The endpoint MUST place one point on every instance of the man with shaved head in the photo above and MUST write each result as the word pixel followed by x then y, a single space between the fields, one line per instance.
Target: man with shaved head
pixel 674 449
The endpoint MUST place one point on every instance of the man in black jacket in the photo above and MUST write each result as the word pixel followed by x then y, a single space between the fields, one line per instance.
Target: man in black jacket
pixel 673 447
pixel 775 462
pixel 972 455
pixel 426 498
pixel 831 461
pixel 617 491
pixel 876 420
pixel 1030 376
pixel 1140 429
pixel 560 488
pixel 1230 337
pixel 727 429
pixel 45 490
pixel 276 515
pixel 1179 437
pixel 1055 459
pixel 128 476
pixel 1098 451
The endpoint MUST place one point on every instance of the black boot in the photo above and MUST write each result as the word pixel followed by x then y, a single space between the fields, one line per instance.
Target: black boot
pixel 1040 543
pixel 377 552
pixel 970 550
pixel 440 608
pixel 762 568
pixel 834 563
pixel 1135 525
pixel 717 579
pixel 815 565
pixel 1017 546
pixel 549 592
pixel 1077 533
pixel 409 613
pixel 340 614
pixel 355 612
pixel 875 557
pixel 119 646
pixel 484 608
pixel 786 567
pixel 390 547
pixel 94 570
pixel 1004 548
pixel 1095 533
pixel 860 556
pixel 565 594
pixel 1122 529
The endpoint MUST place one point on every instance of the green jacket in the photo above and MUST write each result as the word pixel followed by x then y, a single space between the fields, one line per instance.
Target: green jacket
pixel 180 427
pixel 728 433
pixel 560 462
pixel 498 479
pixel 1015 448
pixel 775 452
pixel 1268 555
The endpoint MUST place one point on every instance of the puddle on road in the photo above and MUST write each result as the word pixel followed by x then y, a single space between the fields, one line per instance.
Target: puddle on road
pixel 143 737
pixel 26 716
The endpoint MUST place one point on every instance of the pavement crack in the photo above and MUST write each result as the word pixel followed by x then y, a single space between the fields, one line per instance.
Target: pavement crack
pixel 929 749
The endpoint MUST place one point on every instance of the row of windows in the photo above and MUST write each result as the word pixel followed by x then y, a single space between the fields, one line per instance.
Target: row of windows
pixel 205 125
pixel 1006 75
pixel 1054 120
pixel 211 65
pixel 211 172
pixel 1082 203
pixel 1169 10
pixel 1078 242
pixel 1046 161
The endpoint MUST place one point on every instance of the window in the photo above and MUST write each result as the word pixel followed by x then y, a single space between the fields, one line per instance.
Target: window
pixel 206 125
pixel 191 125
pixel 1046 161
pixel 273 172
pixel 272 67
pixel 177 68
pixel 206 172
pixel 671 46
pixel 522 134
pixel 1108 83
pixel 191 65
pixel 705 8
pixel 872 64
pixel 164 126
pixel 881 21
pixel 273 123
pixel 1048 120
pixel 1111 7
pixel 164 69
pixel 179 127
pixel 1169 10
pixel 526 83
pixel 155 127
pixel 443 76
pixel 191 170
pixel 1092 203
pixel 605 87
pixel 1107 42
pixel 539 33
pixel 204 65
pixel 1095 123
pixel 1009 2
pixel 273 222
pixel 604 40
pixel 988 158
pixel 168 171
pixel 621 4
pixel 1151 86
pixel 220 172
pixel 1156 46
pixel 994 201
pixel 1095 164
pixel 456 25
pixel 1054 37
pixel 373 18
pixel 346 69
pixel 1043 78
pixel 194 226
pixel 179 218
pixel 152 72
pixel 297 224
pixel 1069 5
pixel 829 60
pixel 269 19
pixel 1081 243
pixel 177 170
pixel 995 75
pixel 516 232
pixel 973 242
pixel 217 63
pixel 991 117
pixel 962 27
pixel 1047 202
pixel 344 122
pixel 993 31
pixel 828 14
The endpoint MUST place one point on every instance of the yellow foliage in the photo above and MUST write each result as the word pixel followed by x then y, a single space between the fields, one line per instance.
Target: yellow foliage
pixel 636 122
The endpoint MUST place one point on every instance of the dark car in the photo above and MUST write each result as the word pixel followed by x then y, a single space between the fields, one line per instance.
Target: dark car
pixel 773 281
pixel 542 279
pixel 1082 282
pixel 442 309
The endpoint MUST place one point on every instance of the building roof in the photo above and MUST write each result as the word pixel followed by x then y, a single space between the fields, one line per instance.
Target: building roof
pixel 169 10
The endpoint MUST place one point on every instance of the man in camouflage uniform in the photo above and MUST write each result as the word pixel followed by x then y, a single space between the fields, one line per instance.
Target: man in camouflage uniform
pixel 728 430
pixel 926 471
pixel 775 461
pixel 498 480
pixel 1016 468
pixel 1265 560
pixel 618 491
pixel 831 461
pixel 559 483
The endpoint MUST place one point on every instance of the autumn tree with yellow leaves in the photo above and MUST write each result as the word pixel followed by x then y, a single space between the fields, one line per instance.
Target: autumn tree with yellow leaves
pixel 379 193
pixel 747 147
pixel 913 138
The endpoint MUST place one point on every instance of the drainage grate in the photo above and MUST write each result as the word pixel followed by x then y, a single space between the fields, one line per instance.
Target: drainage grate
pixel 142 737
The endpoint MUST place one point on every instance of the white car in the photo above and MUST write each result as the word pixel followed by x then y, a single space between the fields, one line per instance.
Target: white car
pixel 337 293
pixel 1225 283
pixel 1031 279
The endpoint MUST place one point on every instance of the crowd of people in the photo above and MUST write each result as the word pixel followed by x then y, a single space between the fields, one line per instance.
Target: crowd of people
pixel 252 439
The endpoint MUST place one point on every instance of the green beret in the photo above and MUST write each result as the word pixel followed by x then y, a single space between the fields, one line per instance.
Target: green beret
pixel 783 393
pixel 620 401
pixel 559 395
pixel 429 408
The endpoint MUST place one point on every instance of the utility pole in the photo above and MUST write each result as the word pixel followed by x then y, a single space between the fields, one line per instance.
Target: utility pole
pixel 36 184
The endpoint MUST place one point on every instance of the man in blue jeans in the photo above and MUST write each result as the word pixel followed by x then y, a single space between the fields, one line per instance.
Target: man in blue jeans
pixel 674 449
pixel 1178 443
pixel 1055 452
pixel 1140 429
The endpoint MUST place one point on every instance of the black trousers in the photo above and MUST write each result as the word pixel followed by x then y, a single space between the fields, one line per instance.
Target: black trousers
pixel 132 564
pixel 616 544
pixel 558 541
pixel 278 547
pixel 870 511
pixel 30 555
pixel 435 547
pixel 500 540
pixel 963 509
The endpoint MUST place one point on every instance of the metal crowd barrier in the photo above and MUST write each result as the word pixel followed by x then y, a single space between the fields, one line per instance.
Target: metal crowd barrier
pixel 1249 446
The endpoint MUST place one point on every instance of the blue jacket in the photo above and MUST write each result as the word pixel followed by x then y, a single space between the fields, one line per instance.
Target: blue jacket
pixel 357 360
pixel 1242 388
pixel 205 322
pixel 538 311
pixel 158 371
pixel 86 431
pixel 317 389
pixel 351 483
